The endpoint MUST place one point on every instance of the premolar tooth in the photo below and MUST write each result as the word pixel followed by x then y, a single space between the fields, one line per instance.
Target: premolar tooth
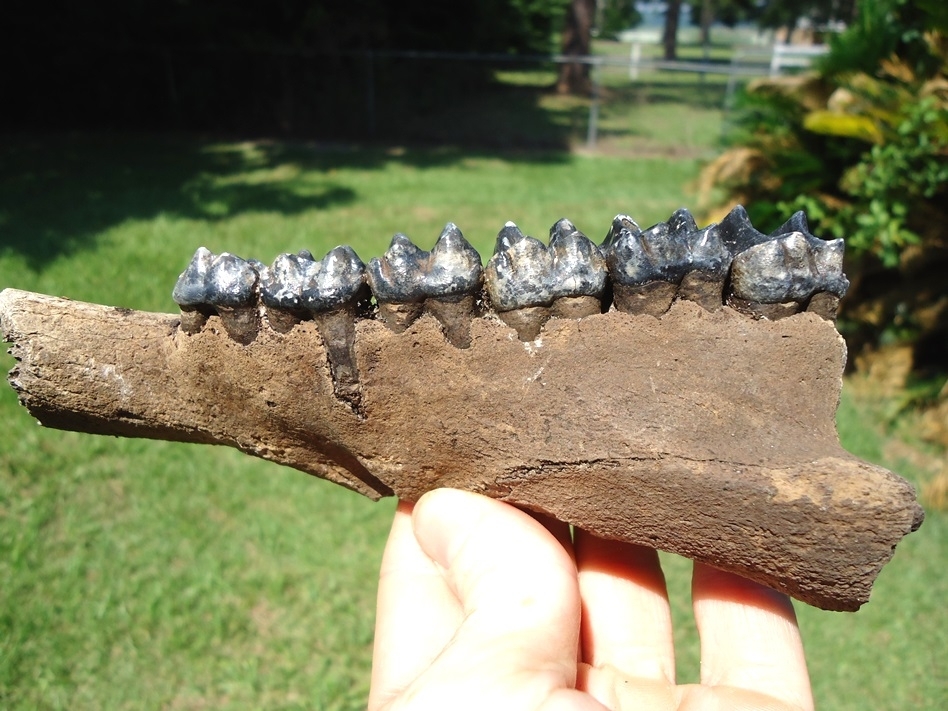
pixel 452 283
pixel 777 278
pixel 281 287
pixel 578 273
pixel 397 281
pixel 518 280
pixel 191 291
pixel 708 261
pixel 222 284
pixel 334 292
pixel 232 285
pixel 646 266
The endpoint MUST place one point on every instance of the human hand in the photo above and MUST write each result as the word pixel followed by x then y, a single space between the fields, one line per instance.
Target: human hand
pixel 482 606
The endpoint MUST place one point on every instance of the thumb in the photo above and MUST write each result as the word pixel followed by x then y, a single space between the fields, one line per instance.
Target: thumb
pixel 516 647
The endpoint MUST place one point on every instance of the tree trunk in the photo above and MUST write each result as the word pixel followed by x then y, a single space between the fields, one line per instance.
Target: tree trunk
pixel 670 39
pixel 574 78
pixel 707 17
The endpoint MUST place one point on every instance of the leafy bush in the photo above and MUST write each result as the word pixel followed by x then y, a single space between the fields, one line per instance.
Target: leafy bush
pixel 862 147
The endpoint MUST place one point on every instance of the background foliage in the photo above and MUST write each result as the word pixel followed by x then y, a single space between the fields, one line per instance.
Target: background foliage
pixel 862 147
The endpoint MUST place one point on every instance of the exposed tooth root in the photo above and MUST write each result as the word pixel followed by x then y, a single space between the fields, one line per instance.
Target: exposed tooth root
pixel 190 291
pixel 824 305
pixel 527 322
pixel 455 318
pixel 399 317
pixel 776 278
pixel 337 330
pixel 576 307
pixel 653 298
pixel 241 323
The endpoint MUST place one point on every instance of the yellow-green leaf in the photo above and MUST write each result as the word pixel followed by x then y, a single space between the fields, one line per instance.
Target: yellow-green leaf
pixel 830 123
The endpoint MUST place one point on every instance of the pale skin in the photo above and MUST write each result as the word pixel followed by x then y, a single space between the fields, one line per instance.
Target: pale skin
pixel 483 606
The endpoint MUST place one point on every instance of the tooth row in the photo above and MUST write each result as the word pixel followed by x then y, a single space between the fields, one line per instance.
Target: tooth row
pixel 526 282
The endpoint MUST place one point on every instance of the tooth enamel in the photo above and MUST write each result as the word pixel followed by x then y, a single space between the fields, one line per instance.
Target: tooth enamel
pixel 646 267
pixel 453 266
pixel 788 271
pixel 398 276
pixel 190 291
pixel 452 283
pixel 231 291
pixel 397 282
pixel 578 274
pixel 281 284
pixel 738 234
pixel 796 223
pixel 518 280
pixel 334 281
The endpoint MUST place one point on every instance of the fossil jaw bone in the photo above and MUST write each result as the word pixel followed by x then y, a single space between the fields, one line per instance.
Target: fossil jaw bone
pixel 680 431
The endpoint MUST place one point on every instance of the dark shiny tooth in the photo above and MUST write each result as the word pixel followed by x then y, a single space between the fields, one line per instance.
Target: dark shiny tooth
pixel 191 291
pixel 397 282
pixel 333 292
pixel 281 286
pixel 708 261
pixel 796 223
pixel 334 282
pixel 620 224
pixel 645 266
pixel 518 281
pixel 781 276
pixel 452 284
pixel 578 272
pixel 738 234
pixel 232 291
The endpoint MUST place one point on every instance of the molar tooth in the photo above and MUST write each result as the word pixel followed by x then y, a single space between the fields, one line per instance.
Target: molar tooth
pixel 578 274
pixel 518 280
pixel 776 278
pixel 452 283
pixel 397 281
pixel 191 291
pixel 738 234
pixel 796 223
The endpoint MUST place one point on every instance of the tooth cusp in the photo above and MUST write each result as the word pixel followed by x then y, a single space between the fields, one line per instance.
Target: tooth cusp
pixel 518 274
pixel 578 265
pixel 334 282
pixel 453 268
pixel 398 275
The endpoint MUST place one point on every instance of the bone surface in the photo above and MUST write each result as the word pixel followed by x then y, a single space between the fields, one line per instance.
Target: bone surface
pixel 703 433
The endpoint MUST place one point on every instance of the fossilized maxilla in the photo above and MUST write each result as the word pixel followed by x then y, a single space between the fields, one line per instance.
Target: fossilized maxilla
pixel 673 387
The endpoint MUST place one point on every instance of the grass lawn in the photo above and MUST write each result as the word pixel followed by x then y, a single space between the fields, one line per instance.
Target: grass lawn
pixel 144 575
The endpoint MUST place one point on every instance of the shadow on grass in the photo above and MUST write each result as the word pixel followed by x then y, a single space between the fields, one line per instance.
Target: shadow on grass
pixel 60 193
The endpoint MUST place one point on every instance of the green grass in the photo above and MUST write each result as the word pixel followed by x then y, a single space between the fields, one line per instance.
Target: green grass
pixel 143 575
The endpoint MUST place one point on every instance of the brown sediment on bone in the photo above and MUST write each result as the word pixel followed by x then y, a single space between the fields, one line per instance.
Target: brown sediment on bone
pixel 527 322
pixel 706 434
